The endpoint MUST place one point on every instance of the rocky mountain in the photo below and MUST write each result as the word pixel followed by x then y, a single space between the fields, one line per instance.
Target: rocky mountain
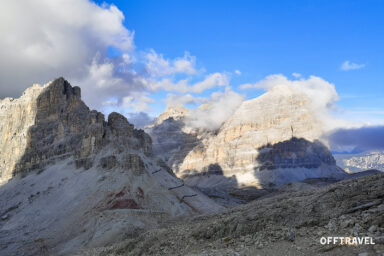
pixel 173 138
pixel 362 161
pixel 269 140
pixel 72 180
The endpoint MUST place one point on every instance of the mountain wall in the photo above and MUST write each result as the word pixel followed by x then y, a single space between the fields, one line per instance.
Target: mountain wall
pixel 280 125
pixel 72 179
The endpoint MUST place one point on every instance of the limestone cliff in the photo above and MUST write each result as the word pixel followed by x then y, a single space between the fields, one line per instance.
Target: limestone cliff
pixel 280 115
pixel 16 117
pixel 72 179
pixel 173 139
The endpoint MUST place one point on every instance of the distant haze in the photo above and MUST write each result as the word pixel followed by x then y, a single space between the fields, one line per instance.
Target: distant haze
pixel 364 138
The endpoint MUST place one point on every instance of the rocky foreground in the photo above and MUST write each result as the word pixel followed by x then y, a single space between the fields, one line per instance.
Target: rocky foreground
pixel 290 223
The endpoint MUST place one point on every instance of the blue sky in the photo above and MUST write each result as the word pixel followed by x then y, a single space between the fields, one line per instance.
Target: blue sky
pixel 260 38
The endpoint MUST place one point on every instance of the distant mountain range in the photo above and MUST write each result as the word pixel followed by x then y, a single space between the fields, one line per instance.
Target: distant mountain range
pixel 357 162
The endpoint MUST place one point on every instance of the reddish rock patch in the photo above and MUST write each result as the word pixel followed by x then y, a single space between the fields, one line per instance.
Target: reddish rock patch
pixel 125 204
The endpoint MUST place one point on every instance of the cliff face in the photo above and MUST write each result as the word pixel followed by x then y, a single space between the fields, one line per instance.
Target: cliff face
pixel 16 117
pixel 73 180
pixel 52 122
pixel 257 126
pixel 173 139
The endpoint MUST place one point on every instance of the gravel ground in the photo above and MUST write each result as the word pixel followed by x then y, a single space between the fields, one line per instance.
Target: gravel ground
pixel 290 223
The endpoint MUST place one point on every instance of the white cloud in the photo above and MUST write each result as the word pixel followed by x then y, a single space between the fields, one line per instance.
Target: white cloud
pixel 268 83
pixel 183 86
pixel 44 39
pixel 321 93
pixel 347 65
pixel 158 66
pixel 296 75
pixel 216 110
pixel 101 83
pixel 174 100
pixel 140 119
pixel 138 102
pixel 237 72
pixel 211 81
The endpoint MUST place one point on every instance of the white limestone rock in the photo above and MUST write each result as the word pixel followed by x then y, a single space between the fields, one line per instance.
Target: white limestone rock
pixel 279 116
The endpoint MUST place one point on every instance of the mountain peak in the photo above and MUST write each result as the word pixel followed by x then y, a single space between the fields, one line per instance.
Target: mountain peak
pixel 60 156
pixel 175 112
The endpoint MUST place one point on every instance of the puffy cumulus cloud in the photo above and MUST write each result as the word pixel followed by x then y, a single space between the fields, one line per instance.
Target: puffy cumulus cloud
pixel 103 85
pixel 217 109
pixel 44 39
pixel 183 86
pixel 138 102
pixel 296 75
pixel 322 94
pixel 237 72
pixel 211 81
pixel 347 65
pixel 140 119
pixel 157 65
pixel 365 138
pixel 174 100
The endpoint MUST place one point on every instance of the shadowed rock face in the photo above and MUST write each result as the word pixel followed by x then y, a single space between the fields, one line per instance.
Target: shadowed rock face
pixel 294 153
pixel 172 139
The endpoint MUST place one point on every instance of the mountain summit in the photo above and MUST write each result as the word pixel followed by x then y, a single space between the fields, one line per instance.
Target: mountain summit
pixel 267 141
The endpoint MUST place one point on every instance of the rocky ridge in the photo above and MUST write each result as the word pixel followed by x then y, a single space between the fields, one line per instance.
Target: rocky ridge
pixel 73 180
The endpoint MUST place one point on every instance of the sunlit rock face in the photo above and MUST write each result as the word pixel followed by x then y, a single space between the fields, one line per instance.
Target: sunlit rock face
pixel 72 179
pixel 280 115
pixel 16 117
pixel 176 113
